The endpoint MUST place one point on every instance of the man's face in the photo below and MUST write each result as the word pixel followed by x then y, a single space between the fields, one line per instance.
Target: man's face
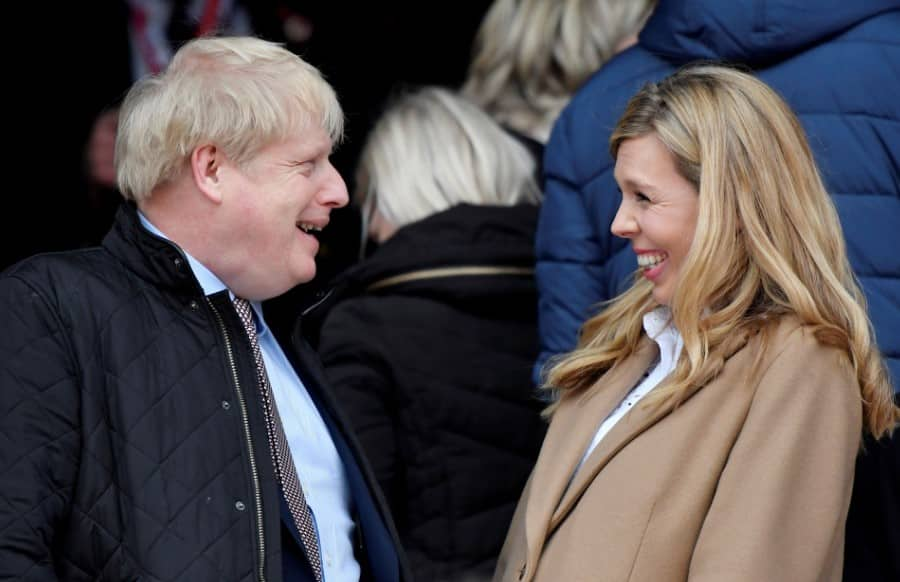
pixel 274 208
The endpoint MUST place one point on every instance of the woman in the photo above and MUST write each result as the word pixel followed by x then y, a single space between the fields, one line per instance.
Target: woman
pixel 430 342
pixel 530 56
pixel 710 417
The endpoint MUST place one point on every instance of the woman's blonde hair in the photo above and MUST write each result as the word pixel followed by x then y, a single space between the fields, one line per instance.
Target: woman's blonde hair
pixel 433 149
pixel 239 93
pixel 768 242
pixel 530 56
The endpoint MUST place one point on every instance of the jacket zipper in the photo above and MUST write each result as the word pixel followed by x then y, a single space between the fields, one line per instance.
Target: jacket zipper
pixel 257 494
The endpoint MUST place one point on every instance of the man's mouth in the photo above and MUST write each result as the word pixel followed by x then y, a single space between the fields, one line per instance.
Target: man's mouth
pixel 309 228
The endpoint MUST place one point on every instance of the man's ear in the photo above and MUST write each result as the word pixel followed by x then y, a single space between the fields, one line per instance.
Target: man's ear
pixel 206 170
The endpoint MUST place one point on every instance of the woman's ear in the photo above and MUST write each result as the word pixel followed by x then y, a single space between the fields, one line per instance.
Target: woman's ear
pixel 206 166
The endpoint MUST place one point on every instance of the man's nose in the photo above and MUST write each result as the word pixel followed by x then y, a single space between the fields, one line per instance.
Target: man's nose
pixel 334 191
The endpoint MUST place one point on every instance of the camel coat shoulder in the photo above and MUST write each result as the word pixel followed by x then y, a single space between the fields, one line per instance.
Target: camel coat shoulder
pixel 748 480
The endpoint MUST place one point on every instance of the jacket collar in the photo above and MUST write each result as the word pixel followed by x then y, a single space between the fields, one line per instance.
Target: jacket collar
pixel 462 235
pixel 159 261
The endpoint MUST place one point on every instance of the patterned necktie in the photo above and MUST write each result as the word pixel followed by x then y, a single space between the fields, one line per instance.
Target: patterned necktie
pixel 281 453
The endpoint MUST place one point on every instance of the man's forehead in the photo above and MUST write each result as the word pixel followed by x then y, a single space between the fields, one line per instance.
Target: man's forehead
pixel 311 139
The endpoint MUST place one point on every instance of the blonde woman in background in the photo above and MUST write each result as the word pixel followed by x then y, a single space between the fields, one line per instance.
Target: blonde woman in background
pixel 711 415
pixel 530 56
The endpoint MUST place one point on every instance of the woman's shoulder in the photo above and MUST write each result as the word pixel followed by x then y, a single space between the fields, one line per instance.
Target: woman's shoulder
pixel 789 343
pixel 795 372
pixel 790 333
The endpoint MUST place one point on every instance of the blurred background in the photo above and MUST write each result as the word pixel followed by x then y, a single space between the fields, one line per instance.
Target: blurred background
pixel 74 62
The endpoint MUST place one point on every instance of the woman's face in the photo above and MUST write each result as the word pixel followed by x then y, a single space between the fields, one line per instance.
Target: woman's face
pixel 658 212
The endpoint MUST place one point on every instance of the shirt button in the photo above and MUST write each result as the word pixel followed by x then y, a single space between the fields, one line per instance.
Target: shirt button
pixel 194 305
pixel 226 405
pixel 239 505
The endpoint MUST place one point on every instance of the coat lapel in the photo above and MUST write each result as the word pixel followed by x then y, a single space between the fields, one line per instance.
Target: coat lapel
pixel 574 424
pixel 638 420
pixel 551 496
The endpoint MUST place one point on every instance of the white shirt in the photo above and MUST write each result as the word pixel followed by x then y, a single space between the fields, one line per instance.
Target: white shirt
pixel 659 327
pixel 319 466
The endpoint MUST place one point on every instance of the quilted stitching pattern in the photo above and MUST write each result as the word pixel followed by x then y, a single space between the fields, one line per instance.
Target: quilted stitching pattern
pixel 117 456
pixel 433 376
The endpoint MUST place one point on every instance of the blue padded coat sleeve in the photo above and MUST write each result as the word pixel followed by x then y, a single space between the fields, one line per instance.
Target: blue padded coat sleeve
pixel 580 264
pixel 569 258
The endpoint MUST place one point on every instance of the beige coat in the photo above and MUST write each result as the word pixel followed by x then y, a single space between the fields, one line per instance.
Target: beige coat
pixel 741 483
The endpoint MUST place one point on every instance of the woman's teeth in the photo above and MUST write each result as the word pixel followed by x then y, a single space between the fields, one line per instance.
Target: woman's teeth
pixel 648 261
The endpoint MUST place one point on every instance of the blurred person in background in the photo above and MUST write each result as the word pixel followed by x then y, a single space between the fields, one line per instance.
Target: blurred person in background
pixel 428 342
pixel 530 56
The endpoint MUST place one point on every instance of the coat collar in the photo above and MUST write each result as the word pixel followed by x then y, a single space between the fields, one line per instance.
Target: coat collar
pixel 553 491
pixel 460 236
pixel 574 424
pixel 753 32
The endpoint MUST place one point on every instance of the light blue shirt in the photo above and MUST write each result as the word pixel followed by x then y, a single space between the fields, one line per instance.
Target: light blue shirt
pixel 319 466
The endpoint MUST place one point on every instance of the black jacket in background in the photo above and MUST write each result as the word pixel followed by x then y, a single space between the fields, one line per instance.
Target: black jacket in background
pixel 873 522
pixel 433 370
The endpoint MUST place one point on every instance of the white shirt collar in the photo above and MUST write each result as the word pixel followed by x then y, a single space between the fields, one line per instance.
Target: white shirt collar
pixel 660 328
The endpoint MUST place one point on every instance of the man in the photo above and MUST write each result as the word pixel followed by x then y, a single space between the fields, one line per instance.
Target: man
pixel 151 427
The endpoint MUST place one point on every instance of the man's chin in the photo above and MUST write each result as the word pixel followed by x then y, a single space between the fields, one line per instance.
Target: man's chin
pixel 305 273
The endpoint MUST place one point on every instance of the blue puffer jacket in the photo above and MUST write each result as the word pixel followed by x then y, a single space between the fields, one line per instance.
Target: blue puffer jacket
pixel 838 65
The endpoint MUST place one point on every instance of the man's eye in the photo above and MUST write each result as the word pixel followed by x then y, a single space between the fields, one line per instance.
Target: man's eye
pixel 641 197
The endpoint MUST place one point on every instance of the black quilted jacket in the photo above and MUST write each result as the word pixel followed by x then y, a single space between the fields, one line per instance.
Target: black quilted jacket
pixel 429 348
pixel 131 445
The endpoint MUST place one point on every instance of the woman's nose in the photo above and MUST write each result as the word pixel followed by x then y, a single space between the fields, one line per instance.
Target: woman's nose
pixel 624 224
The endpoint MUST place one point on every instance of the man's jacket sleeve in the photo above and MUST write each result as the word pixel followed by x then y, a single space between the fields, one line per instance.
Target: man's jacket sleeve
pixel 39 432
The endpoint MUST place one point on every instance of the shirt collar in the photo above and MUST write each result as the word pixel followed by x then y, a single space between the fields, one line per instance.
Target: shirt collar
pixel 208 281
pixel 660 328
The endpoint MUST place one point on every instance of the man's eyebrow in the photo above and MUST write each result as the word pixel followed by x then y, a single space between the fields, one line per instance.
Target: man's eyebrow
pixel 307 151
